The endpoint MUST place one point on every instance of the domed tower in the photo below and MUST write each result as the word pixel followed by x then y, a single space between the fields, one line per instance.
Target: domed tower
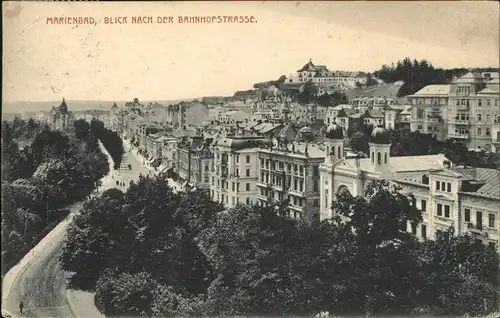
pixel 334 143
pixel 380 149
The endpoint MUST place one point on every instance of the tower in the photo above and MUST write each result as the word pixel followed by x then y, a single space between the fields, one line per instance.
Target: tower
pixel 334 143
pixel 380 149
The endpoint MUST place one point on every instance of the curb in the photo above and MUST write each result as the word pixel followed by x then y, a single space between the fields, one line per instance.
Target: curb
pixel 70 304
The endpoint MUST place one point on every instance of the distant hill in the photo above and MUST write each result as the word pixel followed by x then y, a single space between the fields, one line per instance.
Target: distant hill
pixel 73 105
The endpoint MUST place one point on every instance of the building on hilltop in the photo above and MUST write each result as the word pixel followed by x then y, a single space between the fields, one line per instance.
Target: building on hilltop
pixel 320 74
pixel 60 118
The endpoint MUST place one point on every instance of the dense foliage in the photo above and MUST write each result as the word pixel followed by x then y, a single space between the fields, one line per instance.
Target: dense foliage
pixel 151 251
pixel 407 143
pixel 309 94
pixel 416 75
pixel 110 139
pixel 51 171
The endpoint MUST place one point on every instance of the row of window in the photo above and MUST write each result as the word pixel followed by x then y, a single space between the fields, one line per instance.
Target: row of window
pixel 225 199
pixel 443 186
pixel 235 185
pixel 479 218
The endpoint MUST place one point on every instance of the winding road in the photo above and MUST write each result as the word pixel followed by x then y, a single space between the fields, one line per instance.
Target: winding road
pixel 40 283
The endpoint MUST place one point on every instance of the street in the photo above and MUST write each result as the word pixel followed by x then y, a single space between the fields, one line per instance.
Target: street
pixel 41 284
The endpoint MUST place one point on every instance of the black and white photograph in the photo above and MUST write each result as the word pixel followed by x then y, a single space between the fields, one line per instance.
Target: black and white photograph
pixel 250 159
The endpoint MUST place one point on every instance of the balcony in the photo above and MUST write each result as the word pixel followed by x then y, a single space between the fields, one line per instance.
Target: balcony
pixel 432 119
pixel 459 135
pixel 463 107
pixel 477 229
pixel 460 122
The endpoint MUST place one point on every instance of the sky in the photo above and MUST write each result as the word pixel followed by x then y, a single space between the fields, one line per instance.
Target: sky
pixel 45 62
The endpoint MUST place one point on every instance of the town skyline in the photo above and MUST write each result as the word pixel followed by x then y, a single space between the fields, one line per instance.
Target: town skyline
pixel 89 62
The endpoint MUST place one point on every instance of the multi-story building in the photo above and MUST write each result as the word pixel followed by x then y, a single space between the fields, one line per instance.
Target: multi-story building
pixel 60 118
pixel 429 110
pixel 187 114
pixel 194 158
pixel 465 198
pixel 289 171
pixel 464 111
pixel 473 106
pixel 234 170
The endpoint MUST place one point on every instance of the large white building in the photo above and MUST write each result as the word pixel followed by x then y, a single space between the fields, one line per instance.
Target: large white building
pixel 320 74
pixel 465 198
pixel 464 110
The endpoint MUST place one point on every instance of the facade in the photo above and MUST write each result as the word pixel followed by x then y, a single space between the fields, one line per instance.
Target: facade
pixel 194 158
pixel 465 198
pixel 473 106
pixel 60 118
pixel 430 109
pixel 187 114
pixel 290 172
pixel 465 110
pixel 234 170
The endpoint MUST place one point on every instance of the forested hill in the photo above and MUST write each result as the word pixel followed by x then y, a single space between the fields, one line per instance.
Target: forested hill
pixel 418 74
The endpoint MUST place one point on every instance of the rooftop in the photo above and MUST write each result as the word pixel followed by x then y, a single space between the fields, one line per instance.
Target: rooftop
pixel 433 90
pixel 297 150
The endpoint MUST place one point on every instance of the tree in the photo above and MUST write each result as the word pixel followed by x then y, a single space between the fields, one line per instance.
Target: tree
pixel 359 142
pixel 82 129
pixel 308 93
pixel 376 225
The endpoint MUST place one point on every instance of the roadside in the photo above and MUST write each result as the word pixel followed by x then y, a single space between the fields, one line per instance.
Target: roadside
pixel 37 279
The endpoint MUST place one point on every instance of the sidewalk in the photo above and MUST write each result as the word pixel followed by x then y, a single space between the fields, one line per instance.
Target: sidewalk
pixel 82 304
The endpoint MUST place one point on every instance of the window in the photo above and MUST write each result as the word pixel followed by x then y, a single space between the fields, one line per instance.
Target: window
pixel 423 205
pixel 448 189
pixel 467 215
pixel 237 158
pixel 248 173
pixel 248 159
pixel 234 186
pixel 479 220
pixel 479 132
pixel 373 157
pixel 315 186
pixel 437 185
pixel 385 158
pixel 443 186
pixel 420 127
pixel 491 220
pixel 247 201
pixel 439 209
pixel 488 132
pixel 379 158
pixel 424 231
pixel 247 187
pixel 413 229
pixel 479 117
pixel 316 202
pixel 446 211
pixel 425 179
pixel 315 171
pixel 479 102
